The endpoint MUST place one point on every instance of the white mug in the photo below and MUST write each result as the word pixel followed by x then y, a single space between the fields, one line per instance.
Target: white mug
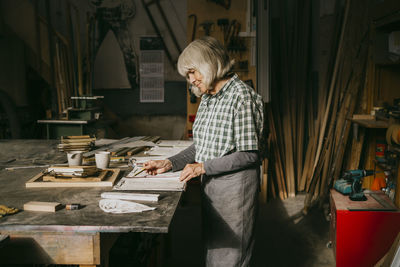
pixel 74 158
pixel 102 159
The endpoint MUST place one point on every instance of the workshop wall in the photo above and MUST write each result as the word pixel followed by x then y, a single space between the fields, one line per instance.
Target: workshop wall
pixel 233 23
pixel 110 77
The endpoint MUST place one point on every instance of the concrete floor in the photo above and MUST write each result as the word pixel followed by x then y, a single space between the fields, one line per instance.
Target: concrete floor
pixel 284 237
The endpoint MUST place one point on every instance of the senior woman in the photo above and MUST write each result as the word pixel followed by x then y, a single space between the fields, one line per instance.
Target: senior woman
pixel 224 153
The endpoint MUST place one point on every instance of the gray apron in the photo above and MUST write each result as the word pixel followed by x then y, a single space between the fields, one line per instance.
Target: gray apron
pixel 229 208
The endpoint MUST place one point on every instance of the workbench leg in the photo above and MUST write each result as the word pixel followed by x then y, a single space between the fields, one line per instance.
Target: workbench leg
pixel 48 131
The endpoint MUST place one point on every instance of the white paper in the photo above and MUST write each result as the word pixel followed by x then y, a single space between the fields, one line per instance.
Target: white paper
pixel 138 143
pixel 164 151
pixel 154 184
pixel 122 206
pixel 168 181
pixel 102 142
pixel 175 143
pixel 131 196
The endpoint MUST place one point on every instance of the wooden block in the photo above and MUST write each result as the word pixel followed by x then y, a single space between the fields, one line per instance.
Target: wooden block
pixel 363 117
pixel 42 206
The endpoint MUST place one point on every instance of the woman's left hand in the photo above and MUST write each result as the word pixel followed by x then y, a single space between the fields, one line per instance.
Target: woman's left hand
pixel 191 171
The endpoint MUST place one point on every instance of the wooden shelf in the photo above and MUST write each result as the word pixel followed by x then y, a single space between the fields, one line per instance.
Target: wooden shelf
pixel 378 124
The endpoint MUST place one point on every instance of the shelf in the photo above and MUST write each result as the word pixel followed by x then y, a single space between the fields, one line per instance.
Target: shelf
pixel 247 34
pixel 389 64
pixel 377 124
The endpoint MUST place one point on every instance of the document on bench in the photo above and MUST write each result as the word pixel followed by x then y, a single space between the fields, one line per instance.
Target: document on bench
pixel 168 181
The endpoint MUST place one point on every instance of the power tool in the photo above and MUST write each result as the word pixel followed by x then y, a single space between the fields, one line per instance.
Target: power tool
pixel 351 184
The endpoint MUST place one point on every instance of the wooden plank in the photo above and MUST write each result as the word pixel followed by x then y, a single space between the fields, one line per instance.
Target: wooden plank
pixel 98 178
pixel 42 206
pixel 264 182
pixel 51 248
pixel 331 87
pixel 397 197
pixel 277 158
pixel 364 117
pixel 37 181
pixel 356 149
pixel 372 123
pixel 306 167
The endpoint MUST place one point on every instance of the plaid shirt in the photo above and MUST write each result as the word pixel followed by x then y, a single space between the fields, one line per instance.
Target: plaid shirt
pixel 229 121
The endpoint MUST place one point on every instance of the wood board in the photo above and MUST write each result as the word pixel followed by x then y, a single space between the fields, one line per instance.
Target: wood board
pixel 37 181
pixel 42 206
pixel 102 175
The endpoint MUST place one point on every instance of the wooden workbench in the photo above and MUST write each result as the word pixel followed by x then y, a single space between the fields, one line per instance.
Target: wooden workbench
pixel 67 236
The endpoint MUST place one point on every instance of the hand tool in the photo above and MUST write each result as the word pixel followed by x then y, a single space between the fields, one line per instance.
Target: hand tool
pixel 73 206
pixel 194 25
pixel 206 25
pixel 4 210
pixel 139 172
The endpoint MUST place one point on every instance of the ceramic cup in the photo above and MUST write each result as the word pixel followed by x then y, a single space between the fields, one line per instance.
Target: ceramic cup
pixel 102 159
pixel 74 158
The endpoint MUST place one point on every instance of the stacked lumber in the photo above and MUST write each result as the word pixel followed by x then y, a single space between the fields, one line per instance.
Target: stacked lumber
pixel 309 124
pixel 76 143
pixel 129 151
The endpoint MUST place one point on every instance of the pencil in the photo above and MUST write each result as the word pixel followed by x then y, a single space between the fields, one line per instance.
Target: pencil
pixel 139 171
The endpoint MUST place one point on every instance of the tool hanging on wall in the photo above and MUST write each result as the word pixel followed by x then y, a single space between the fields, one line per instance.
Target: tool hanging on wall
pixel 232 40
pixel 194 25
pixel 206 25
pixel 90 25
pixel 193 98
pixel 223 24
pixel 224 3
pixel 156 28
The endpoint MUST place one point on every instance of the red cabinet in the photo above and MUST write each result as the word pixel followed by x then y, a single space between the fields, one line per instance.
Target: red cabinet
pixel 362 231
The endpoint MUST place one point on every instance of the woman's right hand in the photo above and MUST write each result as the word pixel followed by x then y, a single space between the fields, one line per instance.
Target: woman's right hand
pixel 155 167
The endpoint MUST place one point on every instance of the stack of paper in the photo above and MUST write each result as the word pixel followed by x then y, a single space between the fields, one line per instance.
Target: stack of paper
pixel 168 181
pixel 175 143
pixel 131 196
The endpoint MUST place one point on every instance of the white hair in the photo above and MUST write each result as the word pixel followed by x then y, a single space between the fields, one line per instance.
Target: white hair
pixel 208 57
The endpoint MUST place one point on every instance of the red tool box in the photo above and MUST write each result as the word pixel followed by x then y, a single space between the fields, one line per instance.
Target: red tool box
pixel 362 231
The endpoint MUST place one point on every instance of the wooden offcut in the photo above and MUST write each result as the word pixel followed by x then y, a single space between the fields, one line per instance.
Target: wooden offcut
pixel 42 206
